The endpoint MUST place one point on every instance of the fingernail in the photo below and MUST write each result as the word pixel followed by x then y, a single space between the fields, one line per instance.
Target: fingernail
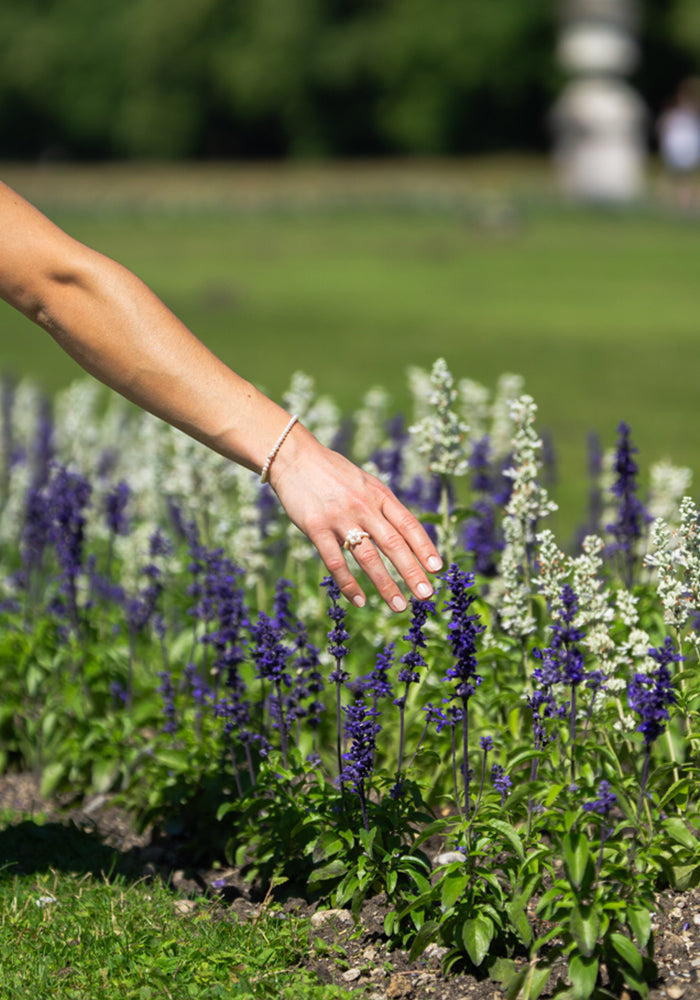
pixel 424 590
pixel 359 600
pixel 434 564
pixel 398 603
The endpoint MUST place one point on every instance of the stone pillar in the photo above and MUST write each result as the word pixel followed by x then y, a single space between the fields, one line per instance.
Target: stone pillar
pixel 599 121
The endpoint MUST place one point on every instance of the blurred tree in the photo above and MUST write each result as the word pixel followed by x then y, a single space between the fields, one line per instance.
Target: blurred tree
pixel 173 78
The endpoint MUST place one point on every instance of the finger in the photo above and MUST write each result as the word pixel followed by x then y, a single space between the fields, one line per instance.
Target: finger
pixel 332 554
pixel 414 534
pixel 367 557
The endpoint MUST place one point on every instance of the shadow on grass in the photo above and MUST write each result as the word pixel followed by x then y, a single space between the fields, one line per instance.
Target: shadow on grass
pixel 29 847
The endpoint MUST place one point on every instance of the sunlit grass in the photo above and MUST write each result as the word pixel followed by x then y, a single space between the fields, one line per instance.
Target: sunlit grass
pixel 72 936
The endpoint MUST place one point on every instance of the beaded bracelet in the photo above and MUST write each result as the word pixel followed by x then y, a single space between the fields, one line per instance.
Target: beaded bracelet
pixel 280 441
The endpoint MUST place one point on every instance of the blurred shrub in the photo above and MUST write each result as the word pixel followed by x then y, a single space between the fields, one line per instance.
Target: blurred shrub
pixel 291 77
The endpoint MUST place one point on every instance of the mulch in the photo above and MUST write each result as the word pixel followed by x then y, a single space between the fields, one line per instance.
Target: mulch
pixel 95 835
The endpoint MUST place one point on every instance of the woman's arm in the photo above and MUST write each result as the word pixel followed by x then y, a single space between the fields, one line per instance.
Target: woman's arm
pixel 117 329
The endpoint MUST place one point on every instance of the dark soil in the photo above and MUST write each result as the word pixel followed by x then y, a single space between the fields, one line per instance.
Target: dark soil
pixel 96 837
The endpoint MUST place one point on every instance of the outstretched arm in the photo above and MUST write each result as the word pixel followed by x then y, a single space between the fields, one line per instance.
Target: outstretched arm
pixel 117 329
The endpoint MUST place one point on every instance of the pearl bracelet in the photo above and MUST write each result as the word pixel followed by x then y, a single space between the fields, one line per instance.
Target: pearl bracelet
pixel 278 444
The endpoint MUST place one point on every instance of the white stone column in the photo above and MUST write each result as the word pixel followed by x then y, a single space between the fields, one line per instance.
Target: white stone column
pixel 599 122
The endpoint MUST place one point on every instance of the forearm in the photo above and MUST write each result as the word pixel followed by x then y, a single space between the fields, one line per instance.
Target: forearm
pixel 120 332
pixel 117 329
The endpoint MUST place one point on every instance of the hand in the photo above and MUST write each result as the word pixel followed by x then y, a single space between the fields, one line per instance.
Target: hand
pixel 327 496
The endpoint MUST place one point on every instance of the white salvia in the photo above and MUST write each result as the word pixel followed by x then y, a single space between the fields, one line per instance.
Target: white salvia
pixel 299 547
pixel 639 643
pixel 528 503
pixel 508 388
pixel 553 569
pixel 593 598
pixel 245 543
pixel 78 433
pixel 420 386
pixel 671 590
pixel 474 399
pixel 668 484
pixel 321 415
pixel 608 514
pixel 370 421
pixel 299 396
pixel 512 595
pixel 627 607
pixel 323 420
pixel 441 435
pixel 12 514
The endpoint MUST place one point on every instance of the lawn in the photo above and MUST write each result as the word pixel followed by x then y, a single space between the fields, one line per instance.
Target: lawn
pixel 353 274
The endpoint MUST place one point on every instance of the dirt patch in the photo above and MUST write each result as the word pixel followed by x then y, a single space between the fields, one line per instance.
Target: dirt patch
pixel 95 835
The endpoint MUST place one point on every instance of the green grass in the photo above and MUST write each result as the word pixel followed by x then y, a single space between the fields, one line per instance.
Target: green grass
pixel 71 933
pixel 354 275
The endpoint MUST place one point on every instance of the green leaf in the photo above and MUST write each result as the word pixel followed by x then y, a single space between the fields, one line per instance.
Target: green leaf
pixel 328 844
pixel 627 951
pixel 585 927
pixel 575 853
pixel 510 834
pixel 583 973
pixel 175 760
pixel 51 777
pixel 452 888
pixel 519 922
pixel 104 774
pixel 391 880
pixel 535 981
pixel 639 919
pixel 678 831
pixel 477 934
pixel 367 839
pixel 330 871
pixel 427 933
pixel 682 877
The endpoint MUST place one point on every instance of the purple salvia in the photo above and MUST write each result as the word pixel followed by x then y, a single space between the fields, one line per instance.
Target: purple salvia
pixel 361 731
pixel 270 655
pixel 500 781
pixel 408 674
pixel 632 515
pixel 463 629
pixel 68 497
pixel 337 637
pixel 116 503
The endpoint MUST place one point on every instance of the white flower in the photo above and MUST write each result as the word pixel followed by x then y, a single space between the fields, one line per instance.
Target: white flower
pixel 370 421
pixel 441 435
pixel 668 484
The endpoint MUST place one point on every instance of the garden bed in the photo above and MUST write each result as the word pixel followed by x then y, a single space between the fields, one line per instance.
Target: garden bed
pixel 354 957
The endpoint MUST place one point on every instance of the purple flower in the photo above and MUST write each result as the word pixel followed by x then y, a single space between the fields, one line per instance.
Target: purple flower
pixel 500 781
pixel 650 695
pixel 463 629
pixel 115 506
pixel 562 660
pixel 632 515
pixel 414 658
pixel 486 743
pixel 338 635
pixel 167 690
pixel 377 682
pixel 360 731
pixel 604 802
pixel 269 653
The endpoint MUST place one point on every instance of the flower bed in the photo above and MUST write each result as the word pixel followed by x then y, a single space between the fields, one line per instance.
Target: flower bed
pixel 167 635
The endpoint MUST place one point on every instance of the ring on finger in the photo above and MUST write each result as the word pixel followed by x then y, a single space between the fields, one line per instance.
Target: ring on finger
pixel 353 538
